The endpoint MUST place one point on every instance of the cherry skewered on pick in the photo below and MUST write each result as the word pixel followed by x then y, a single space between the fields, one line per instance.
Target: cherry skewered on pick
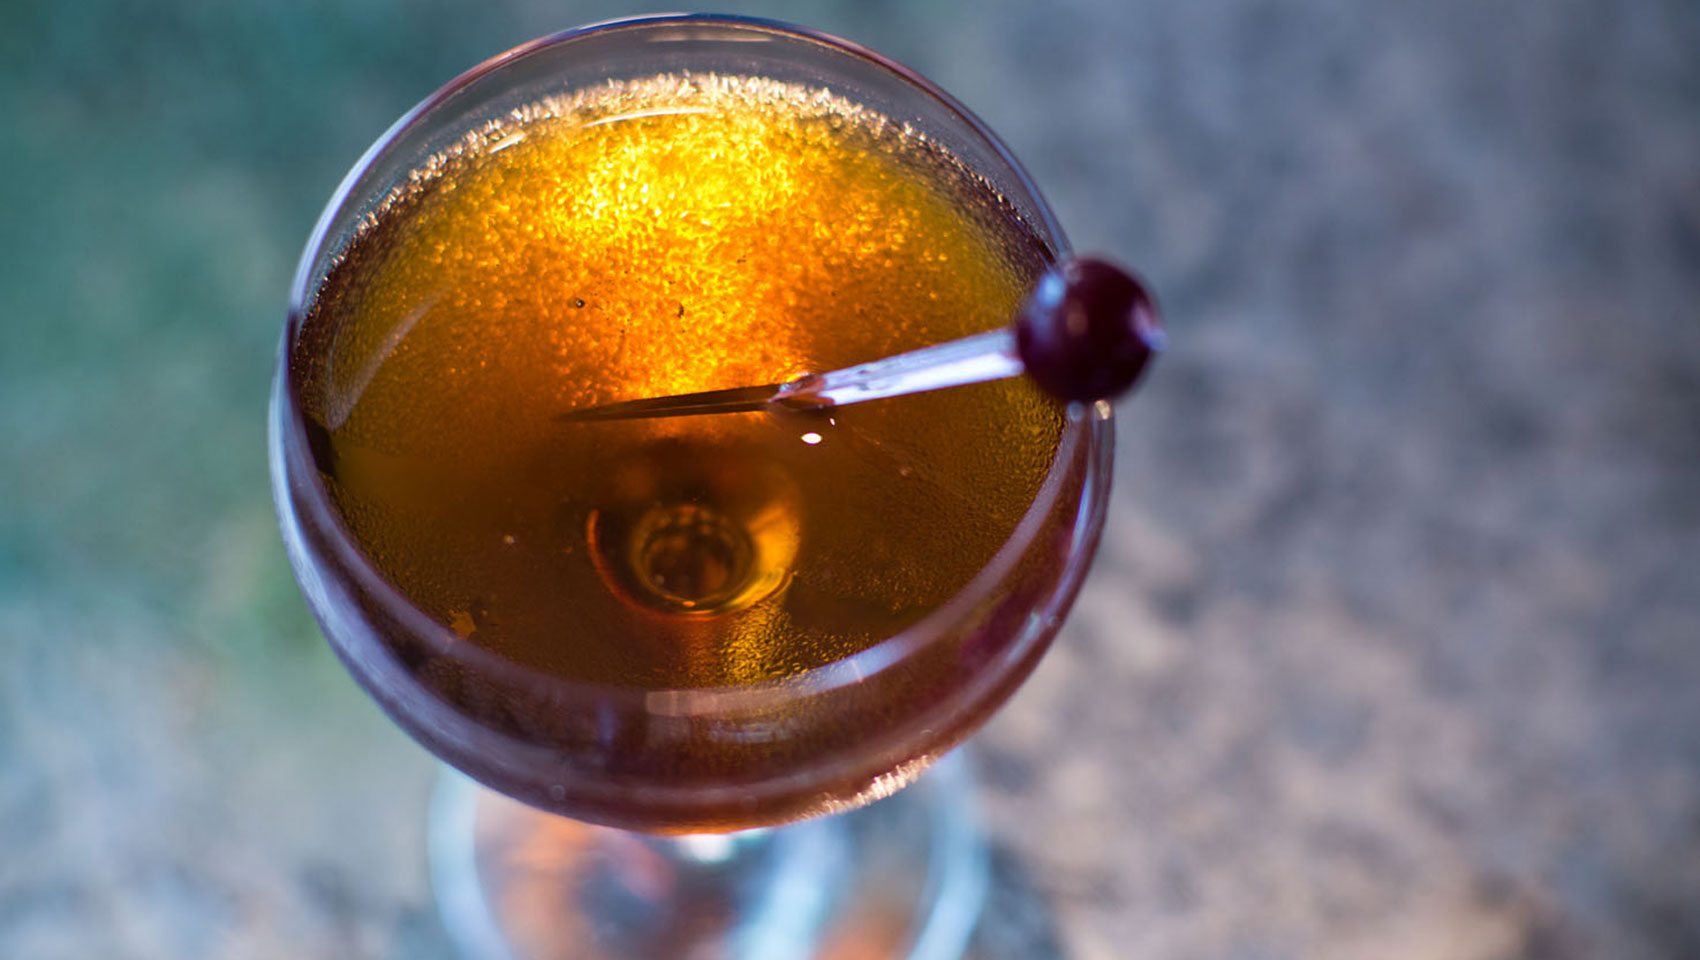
pixel 1088 330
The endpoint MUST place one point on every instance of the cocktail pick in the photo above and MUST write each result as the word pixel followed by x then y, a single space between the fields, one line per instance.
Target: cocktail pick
pixel 1086 332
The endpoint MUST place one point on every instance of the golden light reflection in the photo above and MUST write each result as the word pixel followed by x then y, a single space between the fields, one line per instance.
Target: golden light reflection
pixel 662 236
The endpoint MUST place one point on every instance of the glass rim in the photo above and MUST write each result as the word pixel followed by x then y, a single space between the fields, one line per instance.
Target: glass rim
pixel 1090 424
pixel 300 287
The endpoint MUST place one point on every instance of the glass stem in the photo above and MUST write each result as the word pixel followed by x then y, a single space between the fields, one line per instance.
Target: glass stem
pixel 902 878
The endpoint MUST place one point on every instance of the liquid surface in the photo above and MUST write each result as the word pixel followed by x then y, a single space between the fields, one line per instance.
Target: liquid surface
pixel 658 237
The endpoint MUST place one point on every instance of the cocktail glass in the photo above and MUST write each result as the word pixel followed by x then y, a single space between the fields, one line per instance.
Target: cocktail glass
pixel 731 819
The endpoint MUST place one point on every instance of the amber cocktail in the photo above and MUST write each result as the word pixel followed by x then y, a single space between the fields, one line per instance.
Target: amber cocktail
pixel 695 623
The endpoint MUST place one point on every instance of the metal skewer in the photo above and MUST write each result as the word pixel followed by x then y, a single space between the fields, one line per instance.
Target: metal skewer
pixel 1086 332
pixel 973 359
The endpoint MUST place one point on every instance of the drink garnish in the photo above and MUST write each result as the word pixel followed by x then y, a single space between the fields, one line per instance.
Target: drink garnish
pixel 1086 332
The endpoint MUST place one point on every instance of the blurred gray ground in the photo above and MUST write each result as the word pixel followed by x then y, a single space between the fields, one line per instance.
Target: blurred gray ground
pixel 1393 651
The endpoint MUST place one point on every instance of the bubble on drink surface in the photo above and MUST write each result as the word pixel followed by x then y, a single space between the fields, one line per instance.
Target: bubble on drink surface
pixel 695 530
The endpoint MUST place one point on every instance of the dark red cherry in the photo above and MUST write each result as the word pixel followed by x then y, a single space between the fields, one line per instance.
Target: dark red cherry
pixel 1088 330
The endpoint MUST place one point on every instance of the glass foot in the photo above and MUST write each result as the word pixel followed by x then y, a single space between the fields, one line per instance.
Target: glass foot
pixel 904 877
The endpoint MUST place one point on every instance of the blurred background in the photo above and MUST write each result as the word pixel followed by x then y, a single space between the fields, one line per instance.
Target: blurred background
pixel 1393 649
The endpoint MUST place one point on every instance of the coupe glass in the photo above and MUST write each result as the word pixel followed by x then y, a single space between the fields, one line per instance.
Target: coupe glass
pixel 725 821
